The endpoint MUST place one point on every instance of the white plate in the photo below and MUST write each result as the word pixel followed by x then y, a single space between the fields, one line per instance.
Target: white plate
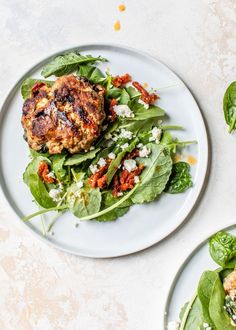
pixel 143 225
pixel 187 278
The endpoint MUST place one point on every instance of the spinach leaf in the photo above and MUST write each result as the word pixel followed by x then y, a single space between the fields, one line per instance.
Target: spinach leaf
pixel 92 73
pixel 229 106
pixel 39 191
pixel 28 84
pixel 218 314
pixel 180 179
pixel 223 249
pixel 155 175
pixel 32 168
pixel 114 92
pixel 141 113
pixel 85 201
pixel 80 158
pixel 124 97
pixel 107 200
pixel 191 316
pixel 58 166
pixel 68 63
pixel 133 92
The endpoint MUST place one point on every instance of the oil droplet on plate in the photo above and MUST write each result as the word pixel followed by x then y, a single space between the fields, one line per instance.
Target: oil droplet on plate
pixel 121 7
pixel 191 160
pixel 117 26
pixel 145 85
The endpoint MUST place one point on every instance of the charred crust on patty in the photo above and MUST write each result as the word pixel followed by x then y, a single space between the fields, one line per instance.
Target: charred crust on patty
pixel 66 116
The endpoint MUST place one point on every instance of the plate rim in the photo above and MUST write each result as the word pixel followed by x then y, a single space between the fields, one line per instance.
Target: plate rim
pixel 205 164
pixel 178 274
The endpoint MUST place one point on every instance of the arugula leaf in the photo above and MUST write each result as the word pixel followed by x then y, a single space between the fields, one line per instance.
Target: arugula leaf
pixel 155 175
pixel 68 63
pixel 141 113
pixel 114 92
pixel 180 179
pixel 222 247
pixel 229 106
pixel 80 158
pixel 39 191
pixel 133 92
pixel 28 84
pixel 92 73
pixel 107 200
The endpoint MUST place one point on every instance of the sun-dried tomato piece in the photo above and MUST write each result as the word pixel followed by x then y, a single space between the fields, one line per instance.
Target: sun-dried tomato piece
pixel 43 171
pixel 145 96
pixel 119 81
pixel 93 179
pixel 112 113
pixel 101 183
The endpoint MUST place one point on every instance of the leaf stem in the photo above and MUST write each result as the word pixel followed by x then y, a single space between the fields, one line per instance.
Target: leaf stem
pixel 56 208
pixel 173 127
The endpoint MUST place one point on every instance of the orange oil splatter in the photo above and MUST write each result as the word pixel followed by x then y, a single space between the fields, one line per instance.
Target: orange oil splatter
pixel 145 85
pixel 121 7
pixel 191 160
pixel 117 26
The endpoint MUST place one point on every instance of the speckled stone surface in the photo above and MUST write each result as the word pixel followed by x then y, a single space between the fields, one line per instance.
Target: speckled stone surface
pixel 44 289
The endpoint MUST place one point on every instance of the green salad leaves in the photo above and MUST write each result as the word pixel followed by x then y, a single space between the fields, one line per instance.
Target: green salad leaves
pixel 229 106
pixel 208 306
pixel 131 162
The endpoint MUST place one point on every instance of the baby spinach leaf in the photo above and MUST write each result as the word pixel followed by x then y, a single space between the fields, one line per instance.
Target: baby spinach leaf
pixel 191 316
pixel 107 200
pixel 87 202
pixel 124 97
pixel 114 92
pixel 58 166
pixel 28 84
pixel 229 106
pixel 155 174
pixel 133 92
pixel 81 157
pixel 92 73
pixel 39 191
pixel 32 168
pixel 180 179
pixel 223 249
pixel 68 63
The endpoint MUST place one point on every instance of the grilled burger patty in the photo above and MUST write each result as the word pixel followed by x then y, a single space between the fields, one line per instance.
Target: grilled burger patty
pixel 67 115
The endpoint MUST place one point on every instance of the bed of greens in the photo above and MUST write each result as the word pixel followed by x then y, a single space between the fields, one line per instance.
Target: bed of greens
pixel 137 127
pixel 213 306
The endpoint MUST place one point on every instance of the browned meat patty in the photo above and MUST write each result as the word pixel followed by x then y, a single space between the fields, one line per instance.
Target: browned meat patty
pixel 67 115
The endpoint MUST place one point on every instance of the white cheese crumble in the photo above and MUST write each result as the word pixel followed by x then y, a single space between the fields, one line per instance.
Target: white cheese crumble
pixel 206 326
pixel 51 175
pixel 93 168
pixel 108 136
pixel 111 155
pixel 144 152
pixel 173 325
pixel 119 194
pixel 136 179
pixel 123 110
pixel 79 184
pixel 114 138
pixel 130 165
pixel 124 146
pixel 101 162
pixel 156 134
pixel 146 105
pixel 140 145
pixel 55 194
pixel 126 134
pixel 92 148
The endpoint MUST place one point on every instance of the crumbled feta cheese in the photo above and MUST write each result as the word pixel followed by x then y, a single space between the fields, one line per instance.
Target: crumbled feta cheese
pixel 156 134
pixel 144 152
pixel 119 194
pixel 51 175
pixel 130 165
pixel 126 134
pixel 80 184
pixel 136 179
pixel 92 148
pixel 140 145
pixel 101 162
pixel 104 127
pixel 124 146
pixel 173 325
pixel 111 155
pixel 108 136
pixel 146 105
pixel 123 110
pixel 55 194
pixel 115 138
pixel 206 326
pixel 93 168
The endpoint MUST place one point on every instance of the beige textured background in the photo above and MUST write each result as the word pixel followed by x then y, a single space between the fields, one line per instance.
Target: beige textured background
pixel 44 289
